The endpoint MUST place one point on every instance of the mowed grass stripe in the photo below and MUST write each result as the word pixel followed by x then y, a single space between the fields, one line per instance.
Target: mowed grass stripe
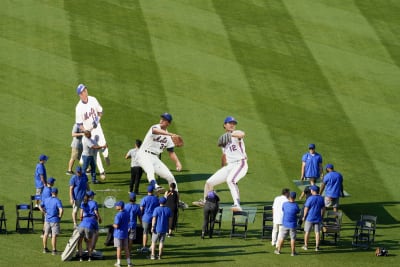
pixel 131 72
pixel 185 52
pixel 342 62
pixel 305 121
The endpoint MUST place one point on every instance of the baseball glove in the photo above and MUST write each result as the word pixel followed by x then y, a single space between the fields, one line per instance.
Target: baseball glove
pixel 224 139
pixel 177 139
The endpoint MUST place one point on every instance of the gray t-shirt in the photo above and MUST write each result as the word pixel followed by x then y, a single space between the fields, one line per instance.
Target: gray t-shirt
pixel 76 141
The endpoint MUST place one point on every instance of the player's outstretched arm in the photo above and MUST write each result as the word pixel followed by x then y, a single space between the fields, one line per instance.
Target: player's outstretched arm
pixel 175 159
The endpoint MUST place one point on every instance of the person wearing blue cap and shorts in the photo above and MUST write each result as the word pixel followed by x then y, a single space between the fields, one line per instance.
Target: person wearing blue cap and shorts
pixel 78 185
pixel 76 147
pixel 159 227
pixel 311 165
pixel 53 209
pixel 88 113
pixel 121 228
pixel 314 210
pixel 40 178
pixel 134 212
pixel 233 161
pixel 155 142
pixel 290 210
pixel 47 190
pixel 147 206
pixel 333 186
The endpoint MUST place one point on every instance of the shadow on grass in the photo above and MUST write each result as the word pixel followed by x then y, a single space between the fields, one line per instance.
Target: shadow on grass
pixel 355 210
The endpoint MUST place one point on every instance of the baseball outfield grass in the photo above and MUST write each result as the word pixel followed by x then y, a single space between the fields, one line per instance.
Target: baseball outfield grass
pixel 291 72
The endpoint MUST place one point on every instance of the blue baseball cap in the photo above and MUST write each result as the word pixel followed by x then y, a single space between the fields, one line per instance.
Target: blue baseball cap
pixel 293 195
pixel 51 180
pixel 230 119
pixel 132 195
pixel 120 204
pixel 166 116
pixel 311 146
pixel 150 188
pixel 90 193
pixel 162 200
pixel 43 157
pixel 54 190
pixel 314 188
pixel 329 166
pixel 80 88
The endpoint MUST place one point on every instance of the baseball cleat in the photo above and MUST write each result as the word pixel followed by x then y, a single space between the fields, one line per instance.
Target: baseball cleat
pixel 160 190
pixel 199 203
pixel 103 176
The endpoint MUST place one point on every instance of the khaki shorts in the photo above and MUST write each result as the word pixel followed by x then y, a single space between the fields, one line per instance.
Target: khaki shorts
pixel 283 233
pixel 158 237
pixel 309 225
pixel 76 153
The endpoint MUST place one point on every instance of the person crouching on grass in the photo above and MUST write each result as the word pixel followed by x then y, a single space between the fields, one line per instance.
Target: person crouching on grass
pixel 121 226
pixel 159 228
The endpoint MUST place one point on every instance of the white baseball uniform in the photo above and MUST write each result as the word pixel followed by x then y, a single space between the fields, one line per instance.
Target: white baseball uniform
pixel 148 156
pixel 235 169
pixel 86 114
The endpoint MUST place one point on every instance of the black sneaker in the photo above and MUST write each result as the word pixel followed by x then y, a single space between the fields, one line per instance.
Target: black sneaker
pixel 46 250
pixel 69 172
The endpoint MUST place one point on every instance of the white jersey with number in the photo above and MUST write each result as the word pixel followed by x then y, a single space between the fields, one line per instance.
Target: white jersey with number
pixel 87 113
pixel 156 143
pixel 235 150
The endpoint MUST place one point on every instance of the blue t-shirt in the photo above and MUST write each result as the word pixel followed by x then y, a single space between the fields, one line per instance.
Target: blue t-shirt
pixel 122 220
pixel 290 211
pixel 80 186
pixel 311 169
pixel 52 206
pixel 333 184
pixel 162 213
pixel 46 193
pixel 89 223
pixel 40 170
pixel 149 203
pixel 314 203
pixel 134 212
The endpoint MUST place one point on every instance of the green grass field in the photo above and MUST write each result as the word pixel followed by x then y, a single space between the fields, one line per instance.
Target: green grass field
pixel 292 72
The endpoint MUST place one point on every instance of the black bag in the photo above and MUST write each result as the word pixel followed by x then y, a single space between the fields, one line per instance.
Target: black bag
pixel 381 252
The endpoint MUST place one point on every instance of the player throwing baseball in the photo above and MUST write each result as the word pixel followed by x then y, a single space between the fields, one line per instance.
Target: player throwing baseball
pixel 234 163
pixel 88 113
pixel 155 142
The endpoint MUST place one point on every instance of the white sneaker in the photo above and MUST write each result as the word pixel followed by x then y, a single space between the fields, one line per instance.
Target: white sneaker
pixel 103 176
pixel 199 203
pixel 117 264
pixel 304 247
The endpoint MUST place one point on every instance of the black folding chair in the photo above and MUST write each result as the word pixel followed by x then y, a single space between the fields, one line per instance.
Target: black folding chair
pixel 3 220
pixel 240 219
pixel 24 213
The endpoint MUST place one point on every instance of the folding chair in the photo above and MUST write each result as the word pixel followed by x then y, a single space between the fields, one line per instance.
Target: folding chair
pixel 218 221
pixel 37 215
pixel 24 213
pixel 239 219
pixel 331 225
pixel 267 222
pixel 3 220
pixel 364 233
